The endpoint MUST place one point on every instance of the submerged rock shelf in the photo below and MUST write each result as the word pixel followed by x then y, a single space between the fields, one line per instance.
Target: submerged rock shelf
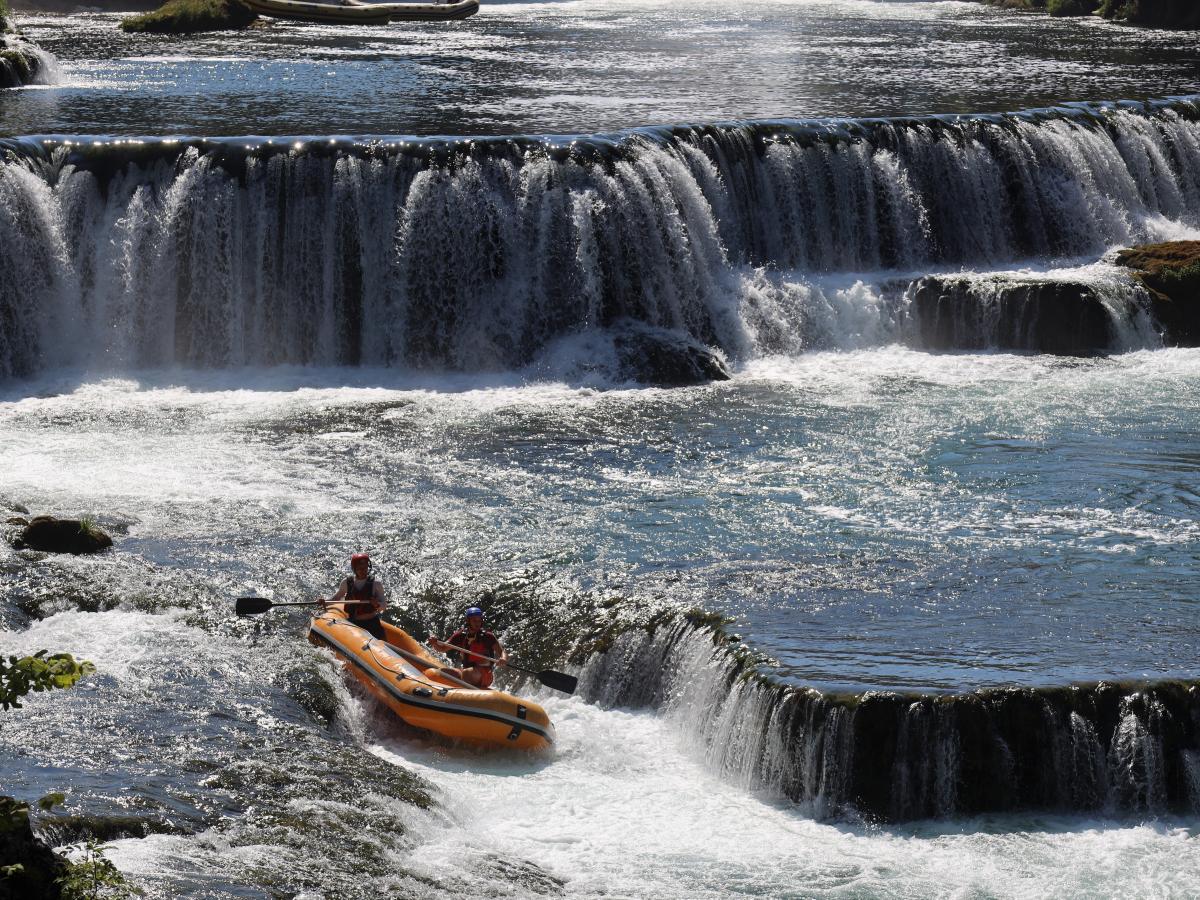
pixel 1111 748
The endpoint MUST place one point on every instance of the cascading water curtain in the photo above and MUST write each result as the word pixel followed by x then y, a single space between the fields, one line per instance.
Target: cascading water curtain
pixel 212 254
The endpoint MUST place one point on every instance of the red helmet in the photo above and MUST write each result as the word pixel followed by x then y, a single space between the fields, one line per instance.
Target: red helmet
pixel 360 557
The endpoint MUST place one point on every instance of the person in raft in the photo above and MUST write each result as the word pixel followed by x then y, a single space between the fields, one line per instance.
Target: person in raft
pixel 472 644
pixel 363 595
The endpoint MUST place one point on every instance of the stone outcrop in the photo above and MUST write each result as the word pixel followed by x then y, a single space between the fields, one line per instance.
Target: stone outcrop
pixel 53 535
pixel 20 62
pixel 666 359
pixel 1154 13
pixel 1157 13
pixel 28 868
pixel 189 16
pixel 1170 272
pixel 964 313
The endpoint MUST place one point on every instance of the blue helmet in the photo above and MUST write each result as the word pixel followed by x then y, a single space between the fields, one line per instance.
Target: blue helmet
pixel 474 611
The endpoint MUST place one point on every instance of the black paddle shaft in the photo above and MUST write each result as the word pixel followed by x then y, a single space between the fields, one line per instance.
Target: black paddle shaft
pixel 252 606
pixel 560 681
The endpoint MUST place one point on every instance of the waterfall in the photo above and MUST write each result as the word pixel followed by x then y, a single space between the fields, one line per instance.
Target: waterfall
pixel 477 254
pixel 1115 749
pixel 23 63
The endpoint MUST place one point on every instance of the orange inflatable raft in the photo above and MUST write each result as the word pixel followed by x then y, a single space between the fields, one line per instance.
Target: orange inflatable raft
pixel 402 675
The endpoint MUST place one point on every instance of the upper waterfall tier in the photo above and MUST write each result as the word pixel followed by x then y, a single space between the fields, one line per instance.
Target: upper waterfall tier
pixel 478 253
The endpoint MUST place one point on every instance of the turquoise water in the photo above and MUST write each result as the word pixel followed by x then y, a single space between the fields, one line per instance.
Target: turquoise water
pixel 871 516
pixel 877 519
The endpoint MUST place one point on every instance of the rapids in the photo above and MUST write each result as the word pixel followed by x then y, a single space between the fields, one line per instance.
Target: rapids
pixel 258 313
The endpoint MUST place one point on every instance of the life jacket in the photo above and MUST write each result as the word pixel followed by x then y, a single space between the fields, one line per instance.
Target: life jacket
pixel 360 602
pixel 484 643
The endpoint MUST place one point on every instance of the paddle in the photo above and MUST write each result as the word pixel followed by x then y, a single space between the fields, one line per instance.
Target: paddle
pixel 560 681
pixel 252 606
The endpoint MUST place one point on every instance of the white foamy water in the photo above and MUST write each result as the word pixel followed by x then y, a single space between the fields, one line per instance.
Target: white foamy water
pixel 831 470
pixel 622 808
pixel 623 811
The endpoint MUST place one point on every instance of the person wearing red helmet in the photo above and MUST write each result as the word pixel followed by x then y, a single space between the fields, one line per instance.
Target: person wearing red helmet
pixel 363 595
pixel 472 645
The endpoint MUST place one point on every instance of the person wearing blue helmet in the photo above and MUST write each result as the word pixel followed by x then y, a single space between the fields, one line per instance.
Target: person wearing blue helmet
pixel 479 650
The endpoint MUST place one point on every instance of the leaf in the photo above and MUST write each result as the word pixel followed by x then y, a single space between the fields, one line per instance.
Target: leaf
pixel 52 800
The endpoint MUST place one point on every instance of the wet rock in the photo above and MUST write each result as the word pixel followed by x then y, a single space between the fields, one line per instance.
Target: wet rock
pixel 76 828
pixel 1170 272
pixel 308 686
pixel 662 358
pixel 51 535
pixel 36 866
pixel 19 61
pixel 1158 13
pixel 961 313
pixel 188 16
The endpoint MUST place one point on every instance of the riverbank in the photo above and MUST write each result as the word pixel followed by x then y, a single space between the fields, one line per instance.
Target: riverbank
pixel 1153 13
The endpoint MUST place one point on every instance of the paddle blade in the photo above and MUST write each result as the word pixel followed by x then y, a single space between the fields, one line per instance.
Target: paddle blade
pixel 251 606
pixel 560 681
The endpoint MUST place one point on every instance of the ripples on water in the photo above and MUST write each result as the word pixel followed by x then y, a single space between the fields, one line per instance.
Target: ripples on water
pixel 875 519
pixel 881 518
pixel 585 67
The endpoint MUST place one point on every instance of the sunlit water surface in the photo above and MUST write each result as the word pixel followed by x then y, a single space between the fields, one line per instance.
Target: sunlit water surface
pixel 589 66
pixel 884 518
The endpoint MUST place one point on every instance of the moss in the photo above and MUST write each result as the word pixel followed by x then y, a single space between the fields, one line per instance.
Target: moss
pixel 19 63
pixel 1170 272
pixel 307 685
pixel 76 828
pixel 188 16
pixel 1162 13
pixel 702 618
pixel 1071 7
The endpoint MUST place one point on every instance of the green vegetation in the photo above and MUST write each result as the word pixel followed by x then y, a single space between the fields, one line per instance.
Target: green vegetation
pixel 188 16
pixel 1162 13
pixel 1071 7
pixel 20 675
pixel 92 876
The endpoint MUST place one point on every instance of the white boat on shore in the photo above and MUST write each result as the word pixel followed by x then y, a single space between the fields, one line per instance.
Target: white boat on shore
pixel 358 13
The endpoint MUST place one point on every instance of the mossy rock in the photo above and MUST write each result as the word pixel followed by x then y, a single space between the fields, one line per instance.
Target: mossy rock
pixel 1171 273
pixel 16 66
pixel 79 827
pixel 51 535
pixel 1071 7
pixel 1159 13
pixel 29 866
pixel 190 16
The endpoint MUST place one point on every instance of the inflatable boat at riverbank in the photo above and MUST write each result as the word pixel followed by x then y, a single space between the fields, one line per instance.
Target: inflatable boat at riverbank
pixel 401 674
pixel 354 12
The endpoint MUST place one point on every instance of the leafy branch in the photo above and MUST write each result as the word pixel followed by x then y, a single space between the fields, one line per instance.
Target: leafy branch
pixel 20 675
pixel 92 876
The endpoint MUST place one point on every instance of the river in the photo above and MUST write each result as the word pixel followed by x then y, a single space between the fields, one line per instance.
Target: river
pixel 275 297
